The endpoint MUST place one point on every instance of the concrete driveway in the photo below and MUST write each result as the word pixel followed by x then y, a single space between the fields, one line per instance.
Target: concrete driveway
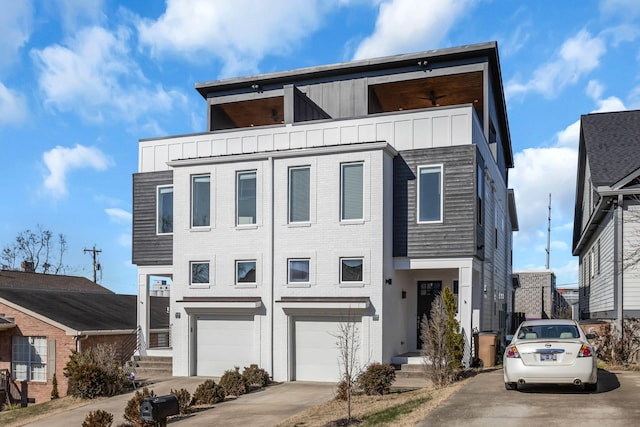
pixel 485 402
pixel 262 408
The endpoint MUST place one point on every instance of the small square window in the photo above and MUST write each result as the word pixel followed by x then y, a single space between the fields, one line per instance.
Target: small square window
pixel 351 270
pixel 199 273
pixel 298 271
pixel 245 272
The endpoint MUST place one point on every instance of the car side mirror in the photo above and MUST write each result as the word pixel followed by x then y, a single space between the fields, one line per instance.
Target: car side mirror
pixel 591 336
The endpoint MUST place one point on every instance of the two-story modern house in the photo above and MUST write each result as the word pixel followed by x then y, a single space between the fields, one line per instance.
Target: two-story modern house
pixel 606 231
pixel 348 192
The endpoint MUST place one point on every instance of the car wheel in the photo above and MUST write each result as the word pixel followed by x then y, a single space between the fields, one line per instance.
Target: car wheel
pixel 511 386
pixel 590 386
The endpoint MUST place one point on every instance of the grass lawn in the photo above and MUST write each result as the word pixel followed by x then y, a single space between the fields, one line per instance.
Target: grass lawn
pixel 21 416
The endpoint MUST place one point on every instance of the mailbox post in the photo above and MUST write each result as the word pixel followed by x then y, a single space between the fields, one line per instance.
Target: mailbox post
pixel 158 408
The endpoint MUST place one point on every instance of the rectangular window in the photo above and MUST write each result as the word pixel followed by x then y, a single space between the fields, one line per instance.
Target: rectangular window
pixel 429 193
pixel 245 272
pixel 352 191
pixel 199 273
pixel 165 210
pixel 598 256
pixel 201 201
pixel 299 189
pixel 298 271
pixel 480 185
pixel 28 358
pixel 351 270
pixel 246 197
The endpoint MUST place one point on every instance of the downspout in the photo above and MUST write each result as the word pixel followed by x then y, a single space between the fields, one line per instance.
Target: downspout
pixel 79 338
pixel 272 237
pixel 618 259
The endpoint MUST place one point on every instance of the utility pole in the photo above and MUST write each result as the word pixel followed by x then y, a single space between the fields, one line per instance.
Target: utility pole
pixel 548 234
pixel 96 266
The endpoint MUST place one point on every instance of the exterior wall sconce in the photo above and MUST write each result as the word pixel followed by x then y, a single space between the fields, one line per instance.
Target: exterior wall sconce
pixel 388 281
pixel 177 314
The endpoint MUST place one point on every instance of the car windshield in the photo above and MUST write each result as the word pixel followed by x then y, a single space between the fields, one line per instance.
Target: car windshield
pixel 532 332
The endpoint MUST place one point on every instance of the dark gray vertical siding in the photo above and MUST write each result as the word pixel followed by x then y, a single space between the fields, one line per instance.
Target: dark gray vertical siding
pixel 455 236
pixel 148 247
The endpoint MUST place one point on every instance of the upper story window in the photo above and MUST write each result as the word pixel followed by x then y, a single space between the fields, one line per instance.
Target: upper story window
pixel 246 272
pixel 351 270
pixel 299 193
pixel 200 273
pixel 165 210
pixel 430 193
pixel 201 201
pixel 352 191
pixel 480 185
pixel 28 357
pixel 299 271
pixel 246 198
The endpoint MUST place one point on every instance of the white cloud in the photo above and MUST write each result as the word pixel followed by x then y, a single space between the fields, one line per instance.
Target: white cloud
pixel 74 13
pixel 13 106
pixel 411 25
pixel 94 76
pixel 595 89
pixel 16 22
pixel 239 33
pixel 119 215
pixel 60 161
pixel 627 9
pixel 577 56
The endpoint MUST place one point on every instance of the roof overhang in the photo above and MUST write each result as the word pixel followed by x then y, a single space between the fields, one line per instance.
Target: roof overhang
pixel 219 303
pixel 324 303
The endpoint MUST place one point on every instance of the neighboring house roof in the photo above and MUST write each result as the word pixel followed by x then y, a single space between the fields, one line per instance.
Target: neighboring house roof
pixel 612 143
pixel 10 279
pixel 81 312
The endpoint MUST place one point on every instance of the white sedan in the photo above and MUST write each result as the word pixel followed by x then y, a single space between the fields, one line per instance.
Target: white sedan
pixel 550 351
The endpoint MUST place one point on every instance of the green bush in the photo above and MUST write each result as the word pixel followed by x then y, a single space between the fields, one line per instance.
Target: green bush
pixel 233 383
pixel 95 372
pixel 255 377
pixel 98 418
pixel 208 393
pixel 184 400
pixel 376 379
pixel 132 410
pixel 54 388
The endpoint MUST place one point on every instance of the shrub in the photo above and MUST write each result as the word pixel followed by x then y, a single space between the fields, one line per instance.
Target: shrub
pixel 255 377
pixel 208 393
pixel 95 372
pixel 98 418
pixel 184 400
pixel 132 410
pixel 342 390
pixel 619 348
pixel 376 379
pixel 54 388
pixel 233 383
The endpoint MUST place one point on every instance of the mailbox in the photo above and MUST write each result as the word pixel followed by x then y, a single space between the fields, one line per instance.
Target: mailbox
pixel 159 408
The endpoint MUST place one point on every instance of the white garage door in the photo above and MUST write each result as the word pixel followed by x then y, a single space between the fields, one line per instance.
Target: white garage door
pixel 223 342
pixel 317 357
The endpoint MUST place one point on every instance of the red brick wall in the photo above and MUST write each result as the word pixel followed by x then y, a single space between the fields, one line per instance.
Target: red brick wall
pixel 27 325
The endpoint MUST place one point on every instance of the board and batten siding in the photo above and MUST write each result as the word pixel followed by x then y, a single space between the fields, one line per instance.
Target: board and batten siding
pixel 149 248
pixel 600 284
pixel 630 254
pixel 455 235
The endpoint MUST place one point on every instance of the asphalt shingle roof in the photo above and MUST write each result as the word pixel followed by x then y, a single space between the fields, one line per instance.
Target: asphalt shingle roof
pixel 612 143
pixel 24 280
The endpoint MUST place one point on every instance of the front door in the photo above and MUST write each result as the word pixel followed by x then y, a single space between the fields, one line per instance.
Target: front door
pixel 427 293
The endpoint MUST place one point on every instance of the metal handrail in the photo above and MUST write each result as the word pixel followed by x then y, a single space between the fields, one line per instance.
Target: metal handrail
pixel 9 386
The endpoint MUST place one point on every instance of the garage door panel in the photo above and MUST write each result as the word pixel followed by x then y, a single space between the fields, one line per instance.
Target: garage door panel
pixel 317 356
pixel 224 342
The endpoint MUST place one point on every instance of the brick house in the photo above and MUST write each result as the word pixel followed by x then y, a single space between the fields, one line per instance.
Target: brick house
pixel 43 318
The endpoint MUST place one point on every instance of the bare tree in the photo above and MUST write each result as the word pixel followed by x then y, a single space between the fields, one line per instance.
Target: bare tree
pixel 348 343
pixel 40 249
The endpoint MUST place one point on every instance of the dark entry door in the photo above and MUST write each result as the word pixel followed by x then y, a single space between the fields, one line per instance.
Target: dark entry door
pixel 427 293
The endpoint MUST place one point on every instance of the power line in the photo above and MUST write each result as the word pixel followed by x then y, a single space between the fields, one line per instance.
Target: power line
pixel 96 265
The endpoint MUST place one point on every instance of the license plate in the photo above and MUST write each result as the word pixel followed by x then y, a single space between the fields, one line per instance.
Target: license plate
pixel 548 357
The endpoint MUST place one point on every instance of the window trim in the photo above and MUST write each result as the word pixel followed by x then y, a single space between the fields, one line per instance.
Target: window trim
pixel 193 178
pixel 440 220
pixel 255 279
pixel 342 213
pixel 352 282
pixel 289 199
pixel 29 363
pixel 298 282
pixel 158 188
pixel 193 284
pixel 255 198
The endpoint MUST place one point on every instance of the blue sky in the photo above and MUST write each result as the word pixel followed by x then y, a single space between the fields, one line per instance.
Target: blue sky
pixel 81 81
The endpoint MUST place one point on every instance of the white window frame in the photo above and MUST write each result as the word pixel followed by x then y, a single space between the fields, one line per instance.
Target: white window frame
pixel 158 219
pixel 418 175
pixel 193 180
pixel 349 282
pixel 255 266
pixel 196 284
pixel 31 370
pixel 342 189
pixel 298 282
pixel 290 200
pixel 255 206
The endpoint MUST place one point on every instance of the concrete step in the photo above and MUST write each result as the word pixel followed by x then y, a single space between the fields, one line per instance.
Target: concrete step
pixel 153 367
